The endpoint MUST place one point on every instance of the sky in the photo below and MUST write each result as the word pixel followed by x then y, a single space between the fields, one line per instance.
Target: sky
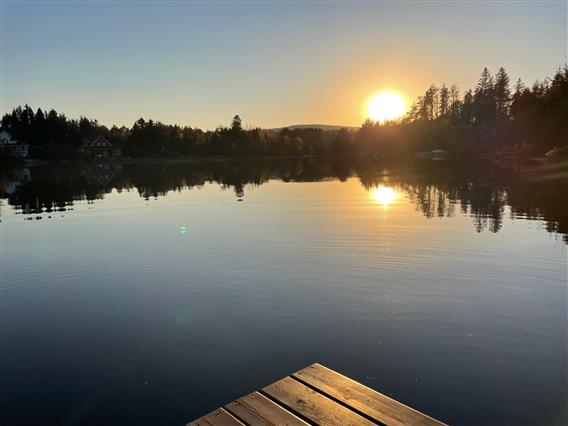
pixel 274 63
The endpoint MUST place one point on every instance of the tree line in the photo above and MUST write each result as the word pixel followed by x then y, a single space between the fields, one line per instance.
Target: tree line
pixel 53 135
pixel 491 116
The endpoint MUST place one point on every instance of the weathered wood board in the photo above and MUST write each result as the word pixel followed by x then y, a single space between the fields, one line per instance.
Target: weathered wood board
pixel 315 395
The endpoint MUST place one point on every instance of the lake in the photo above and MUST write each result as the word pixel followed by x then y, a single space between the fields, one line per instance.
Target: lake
pixel 151 293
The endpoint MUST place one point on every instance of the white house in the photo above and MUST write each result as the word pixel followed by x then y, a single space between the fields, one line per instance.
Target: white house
pixel 17 148
pixel 5 136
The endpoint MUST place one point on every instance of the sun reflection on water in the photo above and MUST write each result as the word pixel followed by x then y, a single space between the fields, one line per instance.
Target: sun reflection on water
pixel 384 195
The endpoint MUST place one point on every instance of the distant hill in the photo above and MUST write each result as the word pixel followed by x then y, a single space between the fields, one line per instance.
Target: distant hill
pixel 316 126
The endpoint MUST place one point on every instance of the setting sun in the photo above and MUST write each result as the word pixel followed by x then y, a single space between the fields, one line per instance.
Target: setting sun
pixel 386 106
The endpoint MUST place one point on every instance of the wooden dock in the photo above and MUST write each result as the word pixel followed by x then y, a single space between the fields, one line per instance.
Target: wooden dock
pixel 315 395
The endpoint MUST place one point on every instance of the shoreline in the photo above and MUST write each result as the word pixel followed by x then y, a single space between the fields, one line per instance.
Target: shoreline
pixel 141 160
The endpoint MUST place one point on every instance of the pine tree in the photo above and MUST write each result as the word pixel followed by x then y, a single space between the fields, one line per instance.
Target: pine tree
pixel 484 100
pixel 455 103
pixel 519 87
pixel 467 108
pixel 502 93
pixel 431 103
pixel 236 125
pixel 444 100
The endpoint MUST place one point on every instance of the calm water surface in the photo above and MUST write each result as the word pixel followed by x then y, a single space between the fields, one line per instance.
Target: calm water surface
pixel 441 287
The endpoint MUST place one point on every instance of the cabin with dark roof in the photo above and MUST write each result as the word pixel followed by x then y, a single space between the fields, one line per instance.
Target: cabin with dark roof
pixel 100 147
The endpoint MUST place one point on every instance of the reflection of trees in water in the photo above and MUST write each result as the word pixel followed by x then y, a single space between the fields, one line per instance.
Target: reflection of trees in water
pixel 545 198
pixel 437 189
pixel 485 205
pixel 484 195
pixel 480 192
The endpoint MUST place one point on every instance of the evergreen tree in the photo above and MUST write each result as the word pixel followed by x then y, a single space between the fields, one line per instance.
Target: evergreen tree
pixel 444 101
pixel 467 108
pixel 484 100
pixel 430 109
pixel 519 87
pixel 236 125
pixel 39 116
pixel 502 94
pixel 455 103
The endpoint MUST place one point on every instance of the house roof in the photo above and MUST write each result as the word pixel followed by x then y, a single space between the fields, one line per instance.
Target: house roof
pixel 6 136
pixel 100 140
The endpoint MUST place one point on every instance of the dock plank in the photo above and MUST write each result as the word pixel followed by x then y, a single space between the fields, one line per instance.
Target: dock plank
pixel 219 417
pixel 313 405
pixel 257 410
pixel 361 398
pixel 315 396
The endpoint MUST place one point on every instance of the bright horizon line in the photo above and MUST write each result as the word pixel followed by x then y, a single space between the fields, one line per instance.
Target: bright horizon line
pixel 409 100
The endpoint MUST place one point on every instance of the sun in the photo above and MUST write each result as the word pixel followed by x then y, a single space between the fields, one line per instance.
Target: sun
pixel 386 106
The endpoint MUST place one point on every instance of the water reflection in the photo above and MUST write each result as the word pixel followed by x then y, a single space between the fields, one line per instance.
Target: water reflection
pixel 384 195
pixel 477 191
pixel 143 281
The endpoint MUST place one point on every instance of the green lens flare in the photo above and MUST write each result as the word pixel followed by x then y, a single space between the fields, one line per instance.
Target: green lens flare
pixel 183 230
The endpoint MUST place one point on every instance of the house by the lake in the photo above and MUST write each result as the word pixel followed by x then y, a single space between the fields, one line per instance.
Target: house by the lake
pixel 17 148
pixel 100 147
